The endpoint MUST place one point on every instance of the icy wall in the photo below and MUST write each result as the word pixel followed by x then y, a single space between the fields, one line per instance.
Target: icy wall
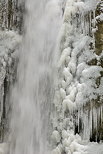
pixel 11 18
pixel 9 42
pixel 79 91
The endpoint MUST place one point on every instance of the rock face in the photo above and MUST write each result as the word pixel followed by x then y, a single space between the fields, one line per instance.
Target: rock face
pixel 99 32
pixel 98 132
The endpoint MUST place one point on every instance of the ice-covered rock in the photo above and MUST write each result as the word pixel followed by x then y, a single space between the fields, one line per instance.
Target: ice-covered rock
pixel 68 105
pixel 56 136
pixel 78 75
pixel 62 93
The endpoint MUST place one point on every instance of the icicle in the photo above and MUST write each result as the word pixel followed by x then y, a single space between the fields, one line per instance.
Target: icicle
pixel 78 119
pixel 94 20
pixel 101 108
pixel 83 24
pixel 90 20
pixel 93 26
pixel 91 124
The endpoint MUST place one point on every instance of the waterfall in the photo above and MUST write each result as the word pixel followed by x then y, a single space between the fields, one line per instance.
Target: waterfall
pixel 33 92
pixel 56 100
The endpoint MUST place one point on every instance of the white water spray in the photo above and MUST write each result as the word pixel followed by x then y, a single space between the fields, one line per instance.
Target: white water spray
pixel 32 93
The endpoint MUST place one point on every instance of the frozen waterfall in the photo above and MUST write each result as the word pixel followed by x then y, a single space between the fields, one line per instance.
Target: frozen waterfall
pixel 57 98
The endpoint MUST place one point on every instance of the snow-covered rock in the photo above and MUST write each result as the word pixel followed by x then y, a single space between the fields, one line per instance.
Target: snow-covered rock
pixel 56 136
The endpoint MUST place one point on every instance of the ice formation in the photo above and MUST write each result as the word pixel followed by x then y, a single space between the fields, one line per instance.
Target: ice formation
pixel 77 88
pixel 75 110
pixel 9 42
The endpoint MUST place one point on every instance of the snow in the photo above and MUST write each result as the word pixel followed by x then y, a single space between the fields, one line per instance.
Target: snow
pixel 9 41
pixel 68 105
pixel 95 148
pixel 62 93
pixel 56 136
pixel 77 79
pixel 100 17
pixel 71 144
pixel 64 56
pixel 63 84
pixel 74 148
pixel 64 134
pixel 91 72
pixel 56 151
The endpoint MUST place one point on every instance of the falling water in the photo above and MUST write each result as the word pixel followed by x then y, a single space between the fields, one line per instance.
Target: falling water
pixel 32 94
